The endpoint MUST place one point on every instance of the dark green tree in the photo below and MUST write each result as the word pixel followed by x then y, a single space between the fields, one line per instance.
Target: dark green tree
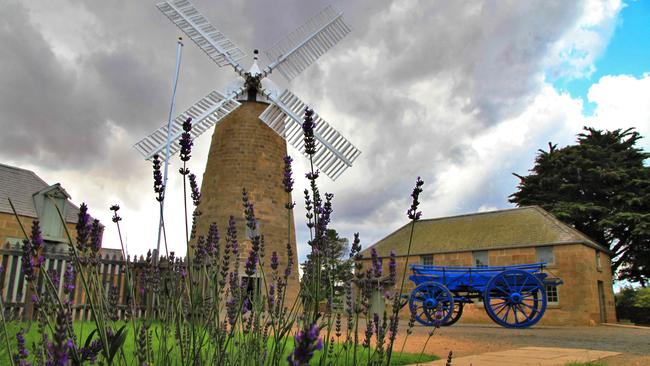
pixel 338 250
pixel 600 186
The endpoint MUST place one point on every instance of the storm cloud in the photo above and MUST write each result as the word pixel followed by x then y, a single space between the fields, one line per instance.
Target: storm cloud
pixel 421 87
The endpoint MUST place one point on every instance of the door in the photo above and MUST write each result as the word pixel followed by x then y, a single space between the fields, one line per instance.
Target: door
pixel 601 302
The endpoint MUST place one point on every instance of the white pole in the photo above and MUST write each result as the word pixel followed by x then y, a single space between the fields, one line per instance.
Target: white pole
pixel 179 50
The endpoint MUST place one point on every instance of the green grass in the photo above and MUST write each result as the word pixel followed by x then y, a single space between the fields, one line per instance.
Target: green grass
pixel 82 329
pixel 596 363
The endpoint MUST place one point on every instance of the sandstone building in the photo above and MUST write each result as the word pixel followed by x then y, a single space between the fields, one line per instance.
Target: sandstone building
pixel 507 237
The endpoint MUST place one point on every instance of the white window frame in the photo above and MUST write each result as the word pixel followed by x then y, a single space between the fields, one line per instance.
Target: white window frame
pixel 599 262
pixel 477 258
pixel 427 259
pixel 549 288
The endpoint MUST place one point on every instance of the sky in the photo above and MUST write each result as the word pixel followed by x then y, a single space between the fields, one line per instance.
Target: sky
pixel 460 93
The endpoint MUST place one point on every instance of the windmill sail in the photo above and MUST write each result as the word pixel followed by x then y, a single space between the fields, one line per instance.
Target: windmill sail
pixel 206 113
pixel 219 48
pixel 334 153
pixel 306 44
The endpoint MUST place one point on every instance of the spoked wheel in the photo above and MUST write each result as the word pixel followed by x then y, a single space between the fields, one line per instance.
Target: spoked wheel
pixel 427 299
pixel 455 314
pixel 515 299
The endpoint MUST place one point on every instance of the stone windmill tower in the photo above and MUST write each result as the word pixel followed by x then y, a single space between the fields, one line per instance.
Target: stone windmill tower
pixel 253 122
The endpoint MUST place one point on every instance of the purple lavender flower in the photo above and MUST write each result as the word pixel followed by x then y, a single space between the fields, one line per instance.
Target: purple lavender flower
pixel 27 261
pixel 392 268
pixel 274 260
pixel 232 230
pixel 96 234
pixel 68 280
pixel 377 267
pixel 413 212
pixel 246 306
pixel 212 242
pixel 115 218
pixel 141 352
pixel 306 342
pixel 438 317
pixel 337 325
pixel 368 333
pixel 200 252
pixel 289 268
pixel 392 328
pixel 409 329
pixel 271 298
pixel 287 180
pixel 58 349
pixel 196 195
pixel 37 237
pixel 158 185
pixel 83 229
pixel 251 263
pixel 231 310
pixel 308 126
pixel 54 276
pixel 186 140
pixel 90 352
pixel 20 358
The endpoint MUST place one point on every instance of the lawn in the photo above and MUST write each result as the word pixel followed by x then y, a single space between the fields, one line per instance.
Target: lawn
pixel 82 329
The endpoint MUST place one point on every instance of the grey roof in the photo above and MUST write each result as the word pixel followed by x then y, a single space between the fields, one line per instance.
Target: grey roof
pixel 510 228
pixel 20 185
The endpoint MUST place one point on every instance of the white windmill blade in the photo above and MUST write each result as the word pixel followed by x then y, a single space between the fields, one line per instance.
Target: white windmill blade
pixel 334 153
pixel 303 46
pixel 219 48
pixel 205 113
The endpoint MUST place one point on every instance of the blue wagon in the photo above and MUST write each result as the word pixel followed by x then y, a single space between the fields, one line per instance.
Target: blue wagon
pixel 513 296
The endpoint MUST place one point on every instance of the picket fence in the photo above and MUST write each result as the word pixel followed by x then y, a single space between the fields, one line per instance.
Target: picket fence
pixel 111 268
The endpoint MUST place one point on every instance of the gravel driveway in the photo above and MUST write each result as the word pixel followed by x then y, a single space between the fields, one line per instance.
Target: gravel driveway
pixel 468 339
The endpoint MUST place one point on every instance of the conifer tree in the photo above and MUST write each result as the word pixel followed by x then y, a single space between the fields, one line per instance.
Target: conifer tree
pixel 600 186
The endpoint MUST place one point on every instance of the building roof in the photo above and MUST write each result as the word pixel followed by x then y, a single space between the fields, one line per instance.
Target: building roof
pixel 511 228
pixel 20 185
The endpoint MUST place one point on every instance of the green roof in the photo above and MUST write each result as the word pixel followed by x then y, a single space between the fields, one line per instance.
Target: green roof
pixel 511 228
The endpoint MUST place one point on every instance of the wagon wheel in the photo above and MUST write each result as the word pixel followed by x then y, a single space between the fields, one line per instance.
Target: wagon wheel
pixel 429 297
pixel 455 314
pixel 515 299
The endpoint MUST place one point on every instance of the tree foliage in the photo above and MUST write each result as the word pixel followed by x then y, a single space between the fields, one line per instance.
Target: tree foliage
pixel 601 187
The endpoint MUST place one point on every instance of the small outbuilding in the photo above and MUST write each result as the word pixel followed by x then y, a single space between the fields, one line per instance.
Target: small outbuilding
pixel 508 237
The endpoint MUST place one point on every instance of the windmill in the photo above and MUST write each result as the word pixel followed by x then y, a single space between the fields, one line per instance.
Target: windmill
pixel 253 122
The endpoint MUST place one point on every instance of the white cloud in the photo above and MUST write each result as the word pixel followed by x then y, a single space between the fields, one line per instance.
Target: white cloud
pixel 574 54
pixel 622 102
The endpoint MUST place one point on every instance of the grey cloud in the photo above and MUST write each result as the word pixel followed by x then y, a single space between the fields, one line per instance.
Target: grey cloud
pixel 482 59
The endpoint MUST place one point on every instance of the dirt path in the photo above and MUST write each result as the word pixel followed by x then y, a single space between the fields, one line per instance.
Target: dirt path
pixel 470 339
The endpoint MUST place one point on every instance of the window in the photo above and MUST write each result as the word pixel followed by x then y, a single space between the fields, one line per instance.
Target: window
pixel 552 295
pixel 599 265
pixel 427 260
pixel 545 254
pixel 253 233
pixel 481 258
pixel 252 287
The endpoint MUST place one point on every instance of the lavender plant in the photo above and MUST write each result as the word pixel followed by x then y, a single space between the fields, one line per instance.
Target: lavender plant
pixel 204 309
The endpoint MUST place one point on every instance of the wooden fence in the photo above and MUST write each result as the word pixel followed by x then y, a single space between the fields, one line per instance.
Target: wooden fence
pixel 111 269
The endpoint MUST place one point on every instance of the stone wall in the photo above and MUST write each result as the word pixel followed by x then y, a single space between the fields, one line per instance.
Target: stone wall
pixel 575 264
pixel 244 152
pixel 10 229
